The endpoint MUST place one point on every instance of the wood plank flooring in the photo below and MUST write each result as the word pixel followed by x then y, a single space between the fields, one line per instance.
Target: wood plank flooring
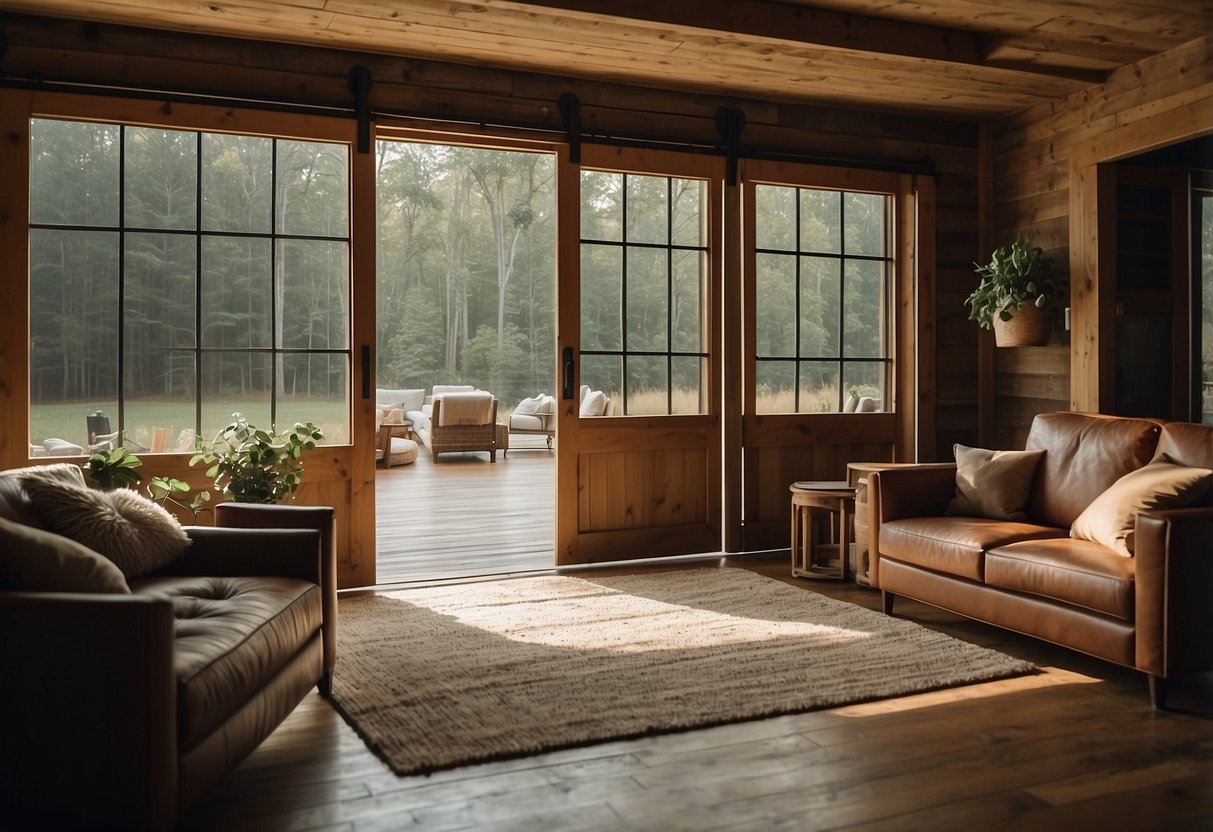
pixel 463 517
pixel 1077 747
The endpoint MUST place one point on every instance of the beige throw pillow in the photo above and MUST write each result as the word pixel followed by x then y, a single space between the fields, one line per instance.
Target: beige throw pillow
pixel 1112 517
pixel 135 533
pixel 33 560
pixel 993 484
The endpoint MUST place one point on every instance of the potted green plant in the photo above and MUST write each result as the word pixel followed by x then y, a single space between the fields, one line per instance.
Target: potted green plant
pixel 118 468
pixel 255 466
pixel 1018 295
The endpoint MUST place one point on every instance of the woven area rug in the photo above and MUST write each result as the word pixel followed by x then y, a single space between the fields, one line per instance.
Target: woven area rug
pixel 439 677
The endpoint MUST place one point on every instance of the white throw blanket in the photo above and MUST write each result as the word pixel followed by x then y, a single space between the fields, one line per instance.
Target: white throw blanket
pixel 465 408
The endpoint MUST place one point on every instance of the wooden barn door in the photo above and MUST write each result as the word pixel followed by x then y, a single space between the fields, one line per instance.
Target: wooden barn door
pixel 638 325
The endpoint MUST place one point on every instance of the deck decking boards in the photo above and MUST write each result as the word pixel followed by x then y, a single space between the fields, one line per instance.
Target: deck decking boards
pixel 464 517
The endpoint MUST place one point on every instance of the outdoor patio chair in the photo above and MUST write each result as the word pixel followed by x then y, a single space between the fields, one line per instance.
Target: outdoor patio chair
pixel 535 416
pixel 464 422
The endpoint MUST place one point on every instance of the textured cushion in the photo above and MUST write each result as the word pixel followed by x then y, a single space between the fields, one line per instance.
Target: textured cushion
pixel 594 403
pixel 993 484
pixel 233 635
pixel 33 560
pixel 135 533
pixel 531 405
pixel 1111 518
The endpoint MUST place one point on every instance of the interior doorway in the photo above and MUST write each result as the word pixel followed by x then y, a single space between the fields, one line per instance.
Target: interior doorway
pixel 465 297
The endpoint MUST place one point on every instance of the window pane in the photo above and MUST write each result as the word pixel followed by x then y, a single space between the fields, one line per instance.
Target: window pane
pixel 313 188
pixel 820 221
pixel 865 224
pixel 315 294
pixel 237 288
pixel 775 306
pixel 314 388
pixel 605 373
pixel 73 331
pixel 688 214
pixel 235 382
pixel 236 183
pixel 73 173
pixel 866 378
pixel 775 387
pixel 601 297
pixel 158 316
pixel 818 387
pixel 648 386
pixel 864 334
pixel 648 208
pixel 648 284
pixel 161 425
pixel 820 297
pixel 690 285
pixel 601 206
pixel 775 217
pixel 689 374
pixel 161 178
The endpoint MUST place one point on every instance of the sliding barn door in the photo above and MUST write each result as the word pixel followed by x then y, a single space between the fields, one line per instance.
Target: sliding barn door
pixel 638 346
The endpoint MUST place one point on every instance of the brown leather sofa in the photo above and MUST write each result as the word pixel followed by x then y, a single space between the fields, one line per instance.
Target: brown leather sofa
pixel 1151 611
pixel 119 710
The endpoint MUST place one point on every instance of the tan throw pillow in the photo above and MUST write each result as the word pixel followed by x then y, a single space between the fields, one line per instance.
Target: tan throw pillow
pixel 138 535
pixel 1111 518
pixel 32 560
pixel 993 484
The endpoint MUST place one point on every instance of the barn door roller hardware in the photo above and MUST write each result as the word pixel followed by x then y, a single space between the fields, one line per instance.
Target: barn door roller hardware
pixel 729 123
pixel 570 114
pixel 360 85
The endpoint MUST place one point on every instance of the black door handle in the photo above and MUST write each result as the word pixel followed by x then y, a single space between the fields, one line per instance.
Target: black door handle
pixel 566 374
pixel 366 372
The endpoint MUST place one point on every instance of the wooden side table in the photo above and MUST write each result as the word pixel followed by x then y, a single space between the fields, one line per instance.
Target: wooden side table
pixel 811 559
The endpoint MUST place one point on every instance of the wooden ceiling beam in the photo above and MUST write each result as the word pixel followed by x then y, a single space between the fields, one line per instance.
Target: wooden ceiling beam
pixel 804 26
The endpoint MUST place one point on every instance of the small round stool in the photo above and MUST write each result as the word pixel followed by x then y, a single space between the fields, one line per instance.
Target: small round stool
pixel 811 559
pixel 401 451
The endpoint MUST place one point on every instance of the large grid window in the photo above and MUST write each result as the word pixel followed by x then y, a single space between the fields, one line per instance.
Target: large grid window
pixel 823 276
pixel 177 277
pixel 644 266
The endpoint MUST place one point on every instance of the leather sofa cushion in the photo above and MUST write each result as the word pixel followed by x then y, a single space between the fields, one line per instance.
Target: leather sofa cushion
pixel 1186 443
pixel 954 545
pixel 1078 572
pixel 1084 454
pixel 233 635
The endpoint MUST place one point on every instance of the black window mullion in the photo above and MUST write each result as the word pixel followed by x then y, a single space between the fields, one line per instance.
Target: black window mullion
pixel 623 296
pixel 198 298
pixel 796 345
pixel 274 231
pixel 842 288
pixel 669 290
pixel 120 381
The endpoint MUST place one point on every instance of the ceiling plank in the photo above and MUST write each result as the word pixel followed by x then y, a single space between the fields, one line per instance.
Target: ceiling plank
pixel 794 24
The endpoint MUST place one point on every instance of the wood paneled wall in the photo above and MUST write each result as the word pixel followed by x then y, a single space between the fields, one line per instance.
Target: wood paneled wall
pixel 1160 100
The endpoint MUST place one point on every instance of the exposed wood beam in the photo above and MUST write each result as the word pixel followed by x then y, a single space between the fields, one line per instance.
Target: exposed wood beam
pixel 816 28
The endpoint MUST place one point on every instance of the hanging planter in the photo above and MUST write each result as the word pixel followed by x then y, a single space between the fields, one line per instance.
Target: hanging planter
pixel 1017 297
pixel 1030 326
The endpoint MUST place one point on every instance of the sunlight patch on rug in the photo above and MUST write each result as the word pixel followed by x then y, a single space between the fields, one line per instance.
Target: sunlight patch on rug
pixel 444 676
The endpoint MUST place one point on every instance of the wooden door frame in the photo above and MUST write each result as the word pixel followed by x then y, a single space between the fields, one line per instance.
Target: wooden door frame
pixel 1092 288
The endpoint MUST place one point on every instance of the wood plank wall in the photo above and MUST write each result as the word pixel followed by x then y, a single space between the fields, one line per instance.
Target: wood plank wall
pixel 52 48
pixel 1033 156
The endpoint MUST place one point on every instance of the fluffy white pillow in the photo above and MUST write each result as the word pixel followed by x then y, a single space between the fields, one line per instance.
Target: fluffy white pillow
pixel 1112 517
pixel 993 484
pixel 135 533
pixel 531 405
pixel 594 403
pixel 547 406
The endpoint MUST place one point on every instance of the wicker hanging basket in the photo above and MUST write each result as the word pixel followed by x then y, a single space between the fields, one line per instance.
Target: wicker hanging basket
pixel 1031 326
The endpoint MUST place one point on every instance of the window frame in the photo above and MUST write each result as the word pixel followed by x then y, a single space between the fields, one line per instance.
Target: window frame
pixel 199 119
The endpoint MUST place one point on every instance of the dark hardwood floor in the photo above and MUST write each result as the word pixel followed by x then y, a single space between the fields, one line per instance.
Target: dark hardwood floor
pixel 1075 747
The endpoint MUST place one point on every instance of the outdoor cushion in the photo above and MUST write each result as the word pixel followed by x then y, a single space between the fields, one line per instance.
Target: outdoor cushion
pixel 526 421
pixel 594 403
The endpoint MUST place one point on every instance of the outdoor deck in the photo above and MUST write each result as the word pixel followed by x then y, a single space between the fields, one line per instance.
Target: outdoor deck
pixel 464 517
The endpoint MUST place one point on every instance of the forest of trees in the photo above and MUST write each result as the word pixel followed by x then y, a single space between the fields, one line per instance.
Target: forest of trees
pixel 466 269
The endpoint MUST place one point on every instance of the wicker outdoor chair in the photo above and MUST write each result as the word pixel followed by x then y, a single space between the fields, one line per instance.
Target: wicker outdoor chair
pixel 450 438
